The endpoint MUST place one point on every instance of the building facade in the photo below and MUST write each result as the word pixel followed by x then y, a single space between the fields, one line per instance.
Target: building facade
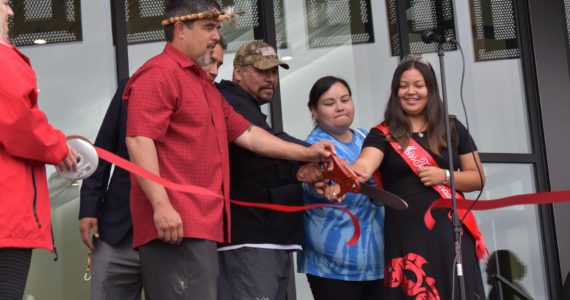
pixel 516 86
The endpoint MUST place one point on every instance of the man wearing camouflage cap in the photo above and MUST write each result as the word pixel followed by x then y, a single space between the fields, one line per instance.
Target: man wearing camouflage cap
pixel 257 263
pixel 255 72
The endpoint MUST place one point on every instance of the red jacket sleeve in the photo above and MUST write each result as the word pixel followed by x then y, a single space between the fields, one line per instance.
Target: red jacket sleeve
pixel 24 129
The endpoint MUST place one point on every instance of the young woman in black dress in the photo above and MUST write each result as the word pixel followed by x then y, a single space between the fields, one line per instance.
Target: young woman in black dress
pixel 419 261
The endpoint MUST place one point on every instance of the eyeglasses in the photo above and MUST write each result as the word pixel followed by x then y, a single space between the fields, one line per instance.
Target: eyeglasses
pixel 414 57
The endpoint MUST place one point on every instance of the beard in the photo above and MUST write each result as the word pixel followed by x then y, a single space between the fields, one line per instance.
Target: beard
pixel 264 96
pixel 206 59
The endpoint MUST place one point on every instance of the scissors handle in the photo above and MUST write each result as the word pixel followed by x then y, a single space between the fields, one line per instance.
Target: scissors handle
pixel 339 174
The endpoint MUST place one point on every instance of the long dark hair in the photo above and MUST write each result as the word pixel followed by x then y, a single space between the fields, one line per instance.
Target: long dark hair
pixel 397 120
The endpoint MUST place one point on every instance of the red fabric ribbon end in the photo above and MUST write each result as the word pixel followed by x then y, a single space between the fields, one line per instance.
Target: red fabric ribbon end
pixel 481 250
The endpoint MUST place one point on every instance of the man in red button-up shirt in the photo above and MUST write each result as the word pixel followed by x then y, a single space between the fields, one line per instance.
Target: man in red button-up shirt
pixel 179 127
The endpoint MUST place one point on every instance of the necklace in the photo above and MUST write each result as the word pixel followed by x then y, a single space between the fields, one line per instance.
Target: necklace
pixel 420 132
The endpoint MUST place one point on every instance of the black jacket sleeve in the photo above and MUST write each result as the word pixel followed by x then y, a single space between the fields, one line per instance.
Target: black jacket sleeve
pixel 94 188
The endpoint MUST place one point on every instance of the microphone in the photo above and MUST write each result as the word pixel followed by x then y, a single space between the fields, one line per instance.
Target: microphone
pixel 430 36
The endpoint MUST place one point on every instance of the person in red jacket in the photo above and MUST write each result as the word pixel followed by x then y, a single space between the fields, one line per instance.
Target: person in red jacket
pixel 27 143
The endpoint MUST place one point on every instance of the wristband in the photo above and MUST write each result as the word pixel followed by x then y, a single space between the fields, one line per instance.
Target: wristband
pixel 447 176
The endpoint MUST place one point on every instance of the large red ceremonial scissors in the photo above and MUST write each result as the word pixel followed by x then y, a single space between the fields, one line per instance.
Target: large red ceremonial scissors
pixel 349 183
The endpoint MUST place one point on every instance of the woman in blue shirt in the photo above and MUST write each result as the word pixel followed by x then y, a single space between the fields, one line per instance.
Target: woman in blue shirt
pixel 335 270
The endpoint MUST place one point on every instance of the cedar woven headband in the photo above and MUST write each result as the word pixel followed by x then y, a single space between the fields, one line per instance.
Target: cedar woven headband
pixel 228 14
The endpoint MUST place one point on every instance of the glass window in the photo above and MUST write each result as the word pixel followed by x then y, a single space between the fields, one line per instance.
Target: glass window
pixel 422 15
pixel 45 21
pixel 514 229
pixel 494 90
pixel 494 94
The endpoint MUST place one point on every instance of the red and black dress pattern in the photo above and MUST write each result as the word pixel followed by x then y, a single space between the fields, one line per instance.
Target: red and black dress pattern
pixel 408 273
pixel 419 261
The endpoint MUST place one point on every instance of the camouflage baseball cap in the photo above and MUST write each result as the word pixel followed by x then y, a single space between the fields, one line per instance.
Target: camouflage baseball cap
pixel 259 54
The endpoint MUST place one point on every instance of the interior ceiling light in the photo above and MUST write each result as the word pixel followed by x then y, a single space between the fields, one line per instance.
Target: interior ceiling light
pixel 40 42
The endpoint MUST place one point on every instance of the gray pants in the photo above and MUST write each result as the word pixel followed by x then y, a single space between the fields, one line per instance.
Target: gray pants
pixel 116 271
pixel 185 271
pixel 254 274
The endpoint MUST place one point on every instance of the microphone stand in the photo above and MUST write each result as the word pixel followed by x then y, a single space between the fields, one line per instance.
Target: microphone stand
pixel 455 215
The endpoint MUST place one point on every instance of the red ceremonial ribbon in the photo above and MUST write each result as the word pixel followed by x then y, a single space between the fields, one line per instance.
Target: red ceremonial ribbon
pixel 287 208
pixel 535 198
pixel 416 157
pixel 137 170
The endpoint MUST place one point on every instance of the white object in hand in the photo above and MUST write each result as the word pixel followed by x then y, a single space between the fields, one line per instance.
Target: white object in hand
pixel 87 160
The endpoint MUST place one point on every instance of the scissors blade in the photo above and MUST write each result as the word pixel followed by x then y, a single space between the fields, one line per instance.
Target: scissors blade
pixel 379 197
